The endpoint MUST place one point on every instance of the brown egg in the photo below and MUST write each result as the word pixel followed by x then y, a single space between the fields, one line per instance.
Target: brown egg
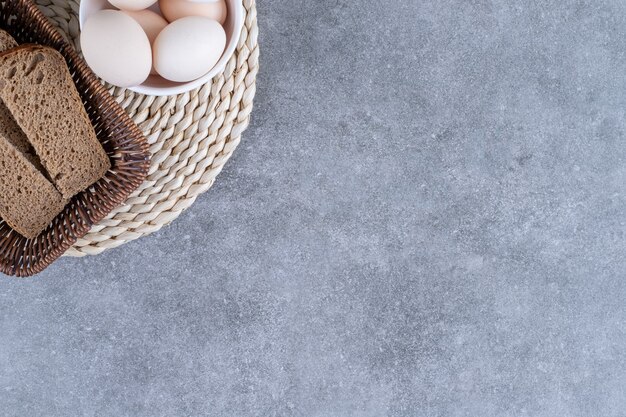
pixel 152 23
pixel 176 9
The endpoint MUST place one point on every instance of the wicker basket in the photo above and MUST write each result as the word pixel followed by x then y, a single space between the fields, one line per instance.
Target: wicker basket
pixel 123 141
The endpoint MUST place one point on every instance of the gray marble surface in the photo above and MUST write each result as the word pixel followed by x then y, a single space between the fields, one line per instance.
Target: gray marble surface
pixel 425 218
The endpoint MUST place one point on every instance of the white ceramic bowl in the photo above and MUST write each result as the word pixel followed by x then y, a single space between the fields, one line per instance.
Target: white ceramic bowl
pixel 158 86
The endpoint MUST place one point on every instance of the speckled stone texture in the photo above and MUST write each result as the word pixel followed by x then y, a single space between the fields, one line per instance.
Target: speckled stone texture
pixel 427 217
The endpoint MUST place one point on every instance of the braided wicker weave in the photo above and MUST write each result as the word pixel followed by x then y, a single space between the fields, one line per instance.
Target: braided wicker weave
pixel 191 136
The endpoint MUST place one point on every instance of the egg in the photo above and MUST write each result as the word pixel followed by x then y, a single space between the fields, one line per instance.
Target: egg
pixel 176 9
pixel 188 48
pixel 132 4
pixel 152 23
pixel 116 48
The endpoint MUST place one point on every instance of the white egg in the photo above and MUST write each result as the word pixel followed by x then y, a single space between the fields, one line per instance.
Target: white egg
pixel 132 4
pixel 116 48
pixel 176 9
pixel 188 48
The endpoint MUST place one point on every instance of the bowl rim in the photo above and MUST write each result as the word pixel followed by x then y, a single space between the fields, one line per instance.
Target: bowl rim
pixel 181 88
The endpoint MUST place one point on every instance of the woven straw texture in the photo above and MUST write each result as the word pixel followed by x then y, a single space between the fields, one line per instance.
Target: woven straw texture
pixel 191 136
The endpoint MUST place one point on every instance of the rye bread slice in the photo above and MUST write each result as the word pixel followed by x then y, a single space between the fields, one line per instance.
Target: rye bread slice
pixel 37 88
pixel 28 201
pixel 8 126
